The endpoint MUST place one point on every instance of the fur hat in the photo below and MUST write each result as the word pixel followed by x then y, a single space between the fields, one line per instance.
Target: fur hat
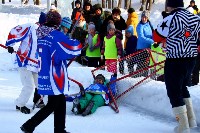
pixel 91 26
pixel 110 26
pixel 66 22
pixel 175 3
pixel 145 14
pixel 42 18
pixel 131 10
pixel 130 29
pixel 53 18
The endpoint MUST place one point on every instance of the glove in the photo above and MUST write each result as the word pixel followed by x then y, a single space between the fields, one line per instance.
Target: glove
pixel 155 45
pixel 10 50
pixel 82 91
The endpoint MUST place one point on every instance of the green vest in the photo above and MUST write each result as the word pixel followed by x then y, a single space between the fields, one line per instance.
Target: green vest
pixel 157 58
pixel 110 48
pixel 96 52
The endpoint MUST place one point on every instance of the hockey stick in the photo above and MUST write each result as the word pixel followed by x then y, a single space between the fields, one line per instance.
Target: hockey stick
pixel 34 61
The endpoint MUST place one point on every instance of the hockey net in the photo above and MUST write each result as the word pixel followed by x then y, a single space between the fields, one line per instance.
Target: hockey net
pixel 132 71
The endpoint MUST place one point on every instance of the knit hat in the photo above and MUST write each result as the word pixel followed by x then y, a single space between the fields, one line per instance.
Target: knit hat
pixel 175 3
pixel 116 10
pixel 130 29
pixel 97 6
pixel 77 2
pixel 145 14
pixel 42 18
pixel 100 76
pixel 131 10
pixel 110 26
pixel 53 18
pixel 66 22
pixel 91 26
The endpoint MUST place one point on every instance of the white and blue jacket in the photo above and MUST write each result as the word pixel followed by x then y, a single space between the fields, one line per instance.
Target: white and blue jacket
pixel 26 34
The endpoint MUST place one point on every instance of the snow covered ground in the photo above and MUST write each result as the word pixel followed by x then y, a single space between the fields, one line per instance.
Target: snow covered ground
pixel 145 110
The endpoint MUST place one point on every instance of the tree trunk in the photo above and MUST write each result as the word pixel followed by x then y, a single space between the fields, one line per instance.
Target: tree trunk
pixel 3 1
pixel 109 4
pixel 120 3
pixel 103 3
pixel 37 2
pixel 142 8
pixel 149 5
pixel 127 4
pixel 130 4
pixel 166 5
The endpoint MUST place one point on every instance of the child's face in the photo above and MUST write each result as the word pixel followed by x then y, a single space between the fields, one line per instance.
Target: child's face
pixel 91 31
pixel 64 29
pixel 78 5
pixel 127 34
pixel 111 31
pixel 98 81
pixel 87 8
pixel 98 12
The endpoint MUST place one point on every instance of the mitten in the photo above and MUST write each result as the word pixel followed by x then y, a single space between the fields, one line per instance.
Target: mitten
pixel 155 45
pixel 10 49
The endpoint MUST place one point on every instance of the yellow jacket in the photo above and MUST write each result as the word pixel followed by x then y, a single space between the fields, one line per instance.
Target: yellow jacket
pixel 133 20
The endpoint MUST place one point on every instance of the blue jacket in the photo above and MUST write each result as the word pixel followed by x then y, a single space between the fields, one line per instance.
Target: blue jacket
pixel 145 35
pixel 131 45
pixel 54 49
pixel 99 89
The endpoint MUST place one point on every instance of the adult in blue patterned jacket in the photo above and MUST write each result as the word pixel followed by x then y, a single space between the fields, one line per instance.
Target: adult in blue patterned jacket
pixel 96 95
pixel 54 49
pixel 180 29
pixel 26 35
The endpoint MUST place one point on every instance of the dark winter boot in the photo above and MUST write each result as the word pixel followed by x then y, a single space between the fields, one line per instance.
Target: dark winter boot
pixel 17 108
pixel 25 110
pixel 88 108
pixel 36 98
pixel 76 109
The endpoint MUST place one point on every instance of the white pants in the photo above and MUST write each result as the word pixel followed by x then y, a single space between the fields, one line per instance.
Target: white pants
pixel 29 82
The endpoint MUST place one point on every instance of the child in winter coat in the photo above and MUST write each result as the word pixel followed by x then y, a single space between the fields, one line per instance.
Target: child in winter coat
pixel 130 48
pixel 112 49
pixel 54 49
pixel 93 43
pixel 65 26
pixel 132 19
pixel 79 32
pixel 96 95
pixel 75 10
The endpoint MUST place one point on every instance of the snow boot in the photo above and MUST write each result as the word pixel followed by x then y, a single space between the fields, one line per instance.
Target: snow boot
pixel 17 108
pixel 25 110
pixel 190 112
pixel 88 108
pixel 181 116
pixel 76 109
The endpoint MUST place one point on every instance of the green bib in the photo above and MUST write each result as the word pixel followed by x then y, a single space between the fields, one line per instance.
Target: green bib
pixel 110 48
pixel 96 52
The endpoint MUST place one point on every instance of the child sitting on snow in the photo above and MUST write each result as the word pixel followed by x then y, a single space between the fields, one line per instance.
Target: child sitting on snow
pixel 96 95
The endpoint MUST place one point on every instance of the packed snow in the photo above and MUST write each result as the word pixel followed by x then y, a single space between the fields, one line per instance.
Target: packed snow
pixel 145 110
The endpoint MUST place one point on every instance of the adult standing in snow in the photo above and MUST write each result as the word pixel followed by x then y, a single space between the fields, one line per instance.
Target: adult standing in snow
pixel 26 34
pixel 54 49
pixel 180 29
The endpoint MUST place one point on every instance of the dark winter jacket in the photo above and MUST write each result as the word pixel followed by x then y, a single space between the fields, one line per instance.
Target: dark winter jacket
pixel 131 45
pixel 88 14
pixel 74 12
pixel 119 25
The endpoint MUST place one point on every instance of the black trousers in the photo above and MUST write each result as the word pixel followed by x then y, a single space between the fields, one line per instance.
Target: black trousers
pixel 56 104
pixel 177 75
pixel 94 61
